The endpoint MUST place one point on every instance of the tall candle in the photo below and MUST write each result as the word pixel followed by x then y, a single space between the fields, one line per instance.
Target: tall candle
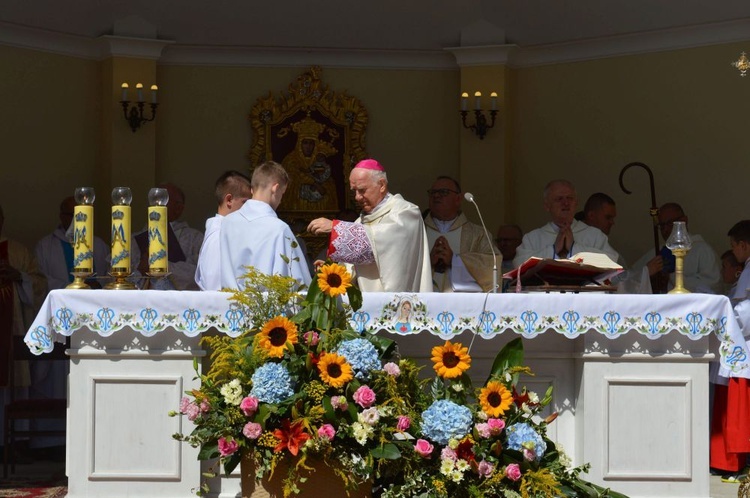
pixel 83 230
pixel 477 100
pixel 157 230
pixel 139 91
pixel 154 89
pixel 124 92
pixel 464 101
pixel 121 198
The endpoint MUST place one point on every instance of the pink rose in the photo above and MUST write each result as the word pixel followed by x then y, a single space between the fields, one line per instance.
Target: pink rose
pixel 205 406
pixel 326 431
pixel 249 406
pixel 312 338
pixel 252 430
pixel 339 403
pixel 226 448
pixel 423 448
pixel 513 472
pixel 483 430
pixel 364 397
pixel 403 423
pixel 496 425
pixel 529 454
pixel 485 468
pixel 392 369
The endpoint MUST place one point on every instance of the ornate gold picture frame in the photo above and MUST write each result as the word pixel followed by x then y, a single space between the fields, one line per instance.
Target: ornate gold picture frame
pixel 318 135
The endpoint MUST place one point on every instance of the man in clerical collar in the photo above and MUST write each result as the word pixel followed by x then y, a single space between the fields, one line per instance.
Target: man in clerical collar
pixel 460 253
pixel 563 236
pixel 387 245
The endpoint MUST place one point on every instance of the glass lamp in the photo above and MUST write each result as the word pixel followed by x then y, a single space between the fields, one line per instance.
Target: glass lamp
pixel 83 237
pixel 679 243
pixel 157 231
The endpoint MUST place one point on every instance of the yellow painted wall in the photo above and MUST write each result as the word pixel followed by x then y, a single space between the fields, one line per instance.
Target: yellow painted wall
pixel 203 127
pixel 48 132
pixel 683 113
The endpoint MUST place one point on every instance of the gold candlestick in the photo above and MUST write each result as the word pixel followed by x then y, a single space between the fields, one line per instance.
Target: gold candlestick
pixel 679 243
pixel 121 199
pixel 157 232
pixel 83 237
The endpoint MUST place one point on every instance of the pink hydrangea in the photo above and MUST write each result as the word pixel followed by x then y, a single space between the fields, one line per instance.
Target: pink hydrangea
pixel 227 447
pixel 392 369
pixel 326 431
pixel 513 472
pixel 249 406
pixel 423 448
pixel 403 423
pixel 364 397
pixel 339 403
pixel 485 468
pixel 184 403
pixel 312 338
pixel 483 429
pixel 192 411
pixel 252 430
pixel 448 454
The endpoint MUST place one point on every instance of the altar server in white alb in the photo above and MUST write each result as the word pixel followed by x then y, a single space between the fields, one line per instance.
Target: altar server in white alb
pixel 387 245
pixel 232 190
pixel 460 253
pixel 564 236
pixel 255 236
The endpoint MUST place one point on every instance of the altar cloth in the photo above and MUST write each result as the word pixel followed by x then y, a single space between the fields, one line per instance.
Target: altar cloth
pixel 445 315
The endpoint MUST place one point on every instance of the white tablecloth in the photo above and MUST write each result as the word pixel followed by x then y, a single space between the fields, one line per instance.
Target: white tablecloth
pixel 445 315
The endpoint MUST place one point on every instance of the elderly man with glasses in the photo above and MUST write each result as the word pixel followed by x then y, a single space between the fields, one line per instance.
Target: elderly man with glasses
pixel 701 267
pixel 460 252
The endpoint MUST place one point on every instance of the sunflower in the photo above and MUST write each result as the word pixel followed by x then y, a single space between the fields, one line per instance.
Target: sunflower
pixel 494 398
pixel 451 360
pixel 334 370
pixel 333 279
pixel 276 333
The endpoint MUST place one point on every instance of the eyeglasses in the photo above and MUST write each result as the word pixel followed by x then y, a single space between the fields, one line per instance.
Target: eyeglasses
pixel 440 192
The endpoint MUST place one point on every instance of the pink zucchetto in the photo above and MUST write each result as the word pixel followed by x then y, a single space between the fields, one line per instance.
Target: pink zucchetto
pixel 370 164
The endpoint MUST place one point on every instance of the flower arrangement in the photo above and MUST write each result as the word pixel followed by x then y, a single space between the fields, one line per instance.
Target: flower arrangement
pixel 297 387
pixel 483 442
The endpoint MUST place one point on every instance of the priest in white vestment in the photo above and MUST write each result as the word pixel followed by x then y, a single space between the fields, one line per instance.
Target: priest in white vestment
pixel 387 246
pixel 232 190
pixel 564 236
pixel 461 255
pixel 54 252
pixel 255 236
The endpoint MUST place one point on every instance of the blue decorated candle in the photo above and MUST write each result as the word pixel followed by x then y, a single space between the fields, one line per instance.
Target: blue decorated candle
pixel 83 230
pixel 121 198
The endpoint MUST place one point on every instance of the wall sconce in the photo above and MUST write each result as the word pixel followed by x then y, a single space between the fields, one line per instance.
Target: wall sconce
pixel 134 114
pixel 480 125
pixel 743 64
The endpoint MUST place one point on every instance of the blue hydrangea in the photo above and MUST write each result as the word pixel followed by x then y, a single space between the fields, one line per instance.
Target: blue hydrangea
pixel 444 420
pixel 271 383
pixel 522 436
pixel 361 355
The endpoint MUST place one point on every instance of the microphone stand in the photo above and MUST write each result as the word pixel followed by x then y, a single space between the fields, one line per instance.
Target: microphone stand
pixel 469 197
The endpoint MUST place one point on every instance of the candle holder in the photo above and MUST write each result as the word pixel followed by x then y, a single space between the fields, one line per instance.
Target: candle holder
pixel 121 199
pixel 83 237
pixel 679 243
pixel 157 233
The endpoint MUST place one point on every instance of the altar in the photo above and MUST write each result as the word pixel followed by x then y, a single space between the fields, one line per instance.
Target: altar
pixel 630 377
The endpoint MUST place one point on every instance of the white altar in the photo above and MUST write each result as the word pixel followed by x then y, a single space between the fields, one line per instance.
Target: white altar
pixel 630 377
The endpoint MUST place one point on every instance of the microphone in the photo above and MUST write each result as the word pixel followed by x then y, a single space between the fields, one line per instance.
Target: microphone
pixel 470 197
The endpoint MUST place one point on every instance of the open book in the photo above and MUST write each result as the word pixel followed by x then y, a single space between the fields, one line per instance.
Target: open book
pixel 584 268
